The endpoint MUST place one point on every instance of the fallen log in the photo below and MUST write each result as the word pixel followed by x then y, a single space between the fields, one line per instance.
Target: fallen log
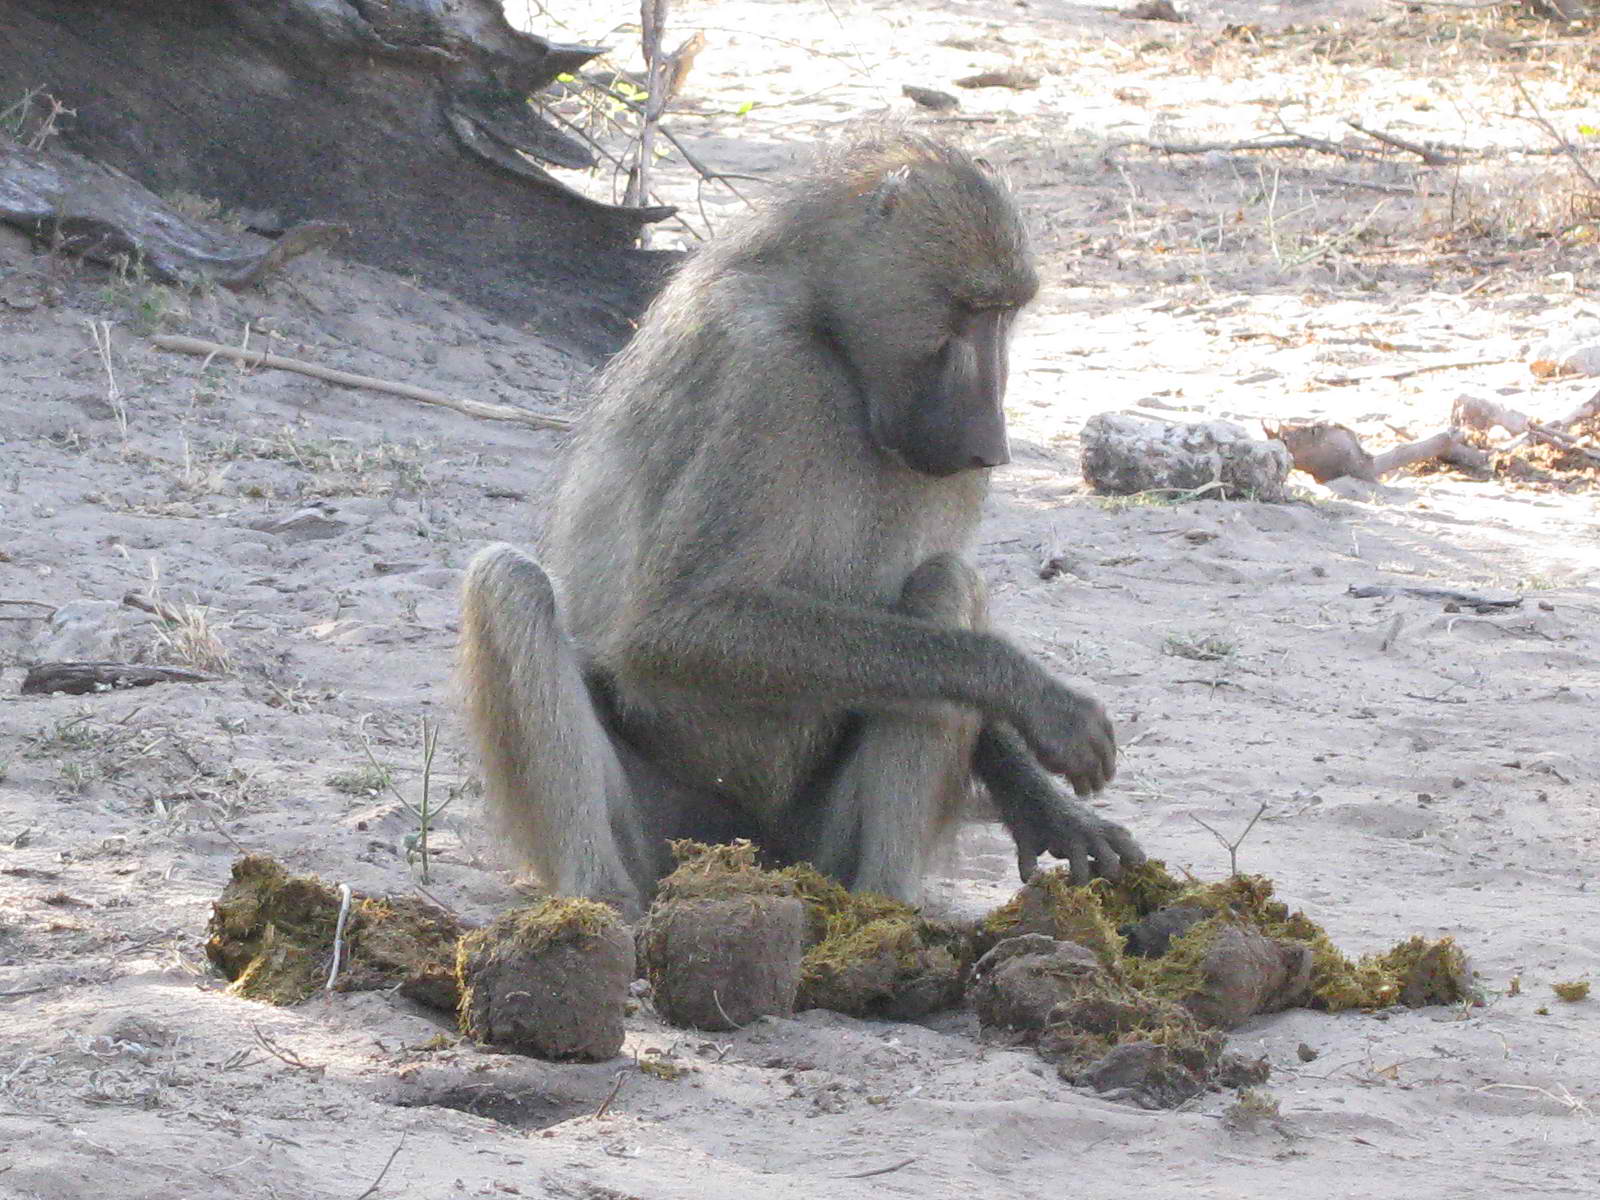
pixel 1447 596
pixel 81 678
pixel 1325 450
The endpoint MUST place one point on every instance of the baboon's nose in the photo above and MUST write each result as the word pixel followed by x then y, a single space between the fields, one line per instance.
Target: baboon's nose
pixel 996 454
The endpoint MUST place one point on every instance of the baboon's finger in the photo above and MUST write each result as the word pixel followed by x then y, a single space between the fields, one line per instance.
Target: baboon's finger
pixel 1107 861
pixel 1122 842
pixel 1078 858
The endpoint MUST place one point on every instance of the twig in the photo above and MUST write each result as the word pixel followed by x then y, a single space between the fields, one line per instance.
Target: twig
pixel 100 331
pixel 395 1154
pixel 49 610
pixel 1466 364
pixel 903 1163
pixel 612 1095
pixel 1337 242
pixel 1293 141
pixel 652 16
pixel 338 936
pixel 282 1053
pixel 1389 189
pixel 1566 147
pixel 216 823
pixel 700 168
pixel 145 604
pixel 1478 603
pixel 1232 847
pixel 1429 156
pixel 472 408
pixel 429 896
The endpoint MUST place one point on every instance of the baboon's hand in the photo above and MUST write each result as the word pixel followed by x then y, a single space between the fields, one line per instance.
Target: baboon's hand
pixel 1072 737
pixel 1092 846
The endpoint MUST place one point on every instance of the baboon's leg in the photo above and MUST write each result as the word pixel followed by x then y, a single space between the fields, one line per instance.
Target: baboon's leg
pixel 905 774
pixel 557 791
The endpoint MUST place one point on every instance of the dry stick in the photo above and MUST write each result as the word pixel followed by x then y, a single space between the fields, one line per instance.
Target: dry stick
pixel 617 164
pixel 255 358
pixel 338 938
pixel 385 1171
pixel 606 1103
pixel 652 16
pixel 700 168
pixel 1347 380
pixel 903 1163
pixel 1566 147
pixel 216 823
pixel 155 608
pixel 1232 847
pixel 1429 156
pixel 1447 446
pixel 48 610
pixel 1475 412
pixel 1297 141
pixel 282 1053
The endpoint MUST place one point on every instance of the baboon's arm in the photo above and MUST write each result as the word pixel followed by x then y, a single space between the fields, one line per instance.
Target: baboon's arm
pixel 1041 819
pixel 767 646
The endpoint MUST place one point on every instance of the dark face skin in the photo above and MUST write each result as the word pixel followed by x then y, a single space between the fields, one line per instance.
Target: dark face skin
pixel 956 420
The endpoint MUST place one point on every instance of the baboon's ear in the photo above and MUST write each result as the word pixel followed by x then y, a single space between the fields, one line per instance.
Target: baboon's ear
pixel 887 194
pixel 987 167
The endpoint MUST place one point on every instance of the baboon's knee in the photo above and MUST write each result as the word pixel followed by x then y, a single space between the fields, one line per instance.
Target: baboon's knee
pixel 504 587
pixel 945 589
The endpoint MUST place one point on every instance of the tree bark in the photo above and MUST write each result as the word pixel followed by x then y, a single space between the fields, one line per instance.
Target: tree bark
pixel 405 120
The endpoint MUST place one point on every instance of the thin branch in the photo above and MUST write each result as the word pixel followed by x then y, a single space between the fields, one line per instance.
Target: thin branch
pixel 1429 156
pixel 1232 847
pixel 612 1095
pixel 704 171
pixel 1292 141
pixel 901 1165
pixel 472 408
pixel 393 1155
pixel 652 16
pixel 282 1053
pixel 1566 147
pixel 338 938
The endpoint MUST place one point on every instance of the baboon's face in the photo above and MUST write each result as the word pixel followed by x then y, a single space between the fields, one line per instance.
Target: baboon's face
pixel 923 304
pixel 954 418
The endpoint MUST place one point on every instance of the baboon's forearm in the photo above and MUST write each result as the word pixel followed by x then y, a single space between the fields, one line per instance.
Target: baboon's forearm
pixel 767 646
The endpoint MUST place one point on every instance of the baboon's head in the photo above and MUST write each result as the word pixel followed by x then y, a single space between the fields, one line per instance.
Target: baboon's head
pixel 918 264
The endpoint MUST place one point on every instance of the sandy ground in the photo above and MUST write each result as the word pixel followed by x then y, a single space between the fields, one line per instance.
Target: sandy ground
pixel 1422 771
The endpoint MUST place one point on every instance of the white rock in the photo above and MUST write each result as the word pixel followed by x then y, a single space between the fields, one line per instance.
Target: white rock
pixel 1125 454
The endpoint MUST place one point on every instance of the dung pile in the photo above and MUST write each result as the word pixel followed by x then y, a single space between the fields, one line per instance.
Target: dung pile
pixel 1126 984
pixel 721 946
pixel 806 942
pixel 272 934
pixel 550 980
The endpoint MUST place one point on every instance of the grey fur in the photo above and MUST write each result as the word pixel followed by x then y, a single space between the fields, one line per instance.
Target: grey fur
pixel 756 617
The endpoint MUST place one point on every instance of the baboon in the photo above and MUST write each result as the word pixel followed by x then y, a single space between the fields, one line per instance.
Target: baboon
pixel 756 619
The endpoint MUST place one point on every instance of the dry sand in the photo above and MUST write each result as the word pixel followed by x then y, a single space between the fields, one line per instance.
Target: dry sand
pixel 1423 771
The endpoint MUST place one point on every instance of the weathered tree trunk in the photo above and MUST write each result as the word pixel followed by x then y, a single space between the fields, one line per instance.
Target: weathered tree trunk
pixel 405 120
